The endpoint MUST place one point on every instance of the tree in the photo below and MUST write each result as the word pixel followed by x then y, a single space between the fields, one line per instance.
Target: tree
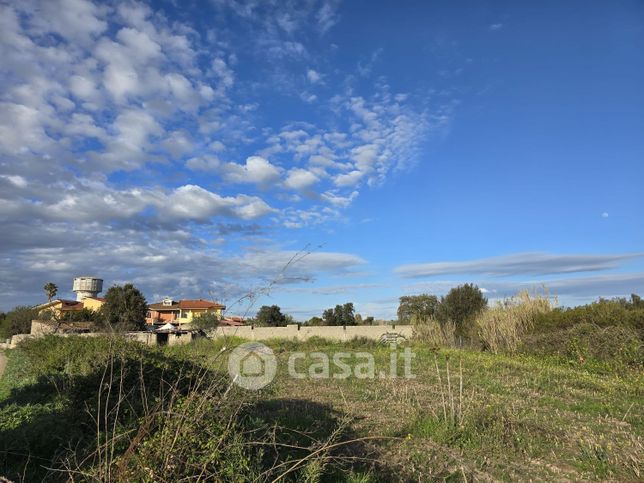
pixel 421 306
pixel 315 321
pixel 51 290
pixel 17 321
pixel 82 315
pixel 461 305
pixel 124 309
pixel 270 316
pixel 206 321
pixel 341 315
pixel 328 316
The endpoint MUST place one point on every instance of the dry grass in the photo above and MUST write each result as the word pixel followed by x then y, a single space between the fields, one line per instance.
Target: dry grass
pixel 431 332
pixel 501 328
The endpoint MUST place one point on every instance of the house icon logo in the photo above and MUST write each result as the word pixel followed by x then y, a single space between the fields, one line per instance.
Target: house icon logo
pixel 252 365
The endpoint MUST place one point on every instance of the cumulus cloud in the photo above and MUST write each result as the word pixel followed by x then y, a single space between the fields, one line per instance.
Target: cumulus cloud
pixel 300 179
pixel 518 264
pixel 256 170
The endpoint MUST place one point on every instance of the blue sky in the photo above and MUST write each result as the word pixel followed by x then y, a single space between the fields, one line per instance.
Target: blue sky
pixel 319 152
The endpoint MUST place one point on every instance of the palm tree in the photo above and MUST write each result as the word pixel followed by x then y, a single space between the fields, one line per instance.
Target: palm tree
pixel 51 290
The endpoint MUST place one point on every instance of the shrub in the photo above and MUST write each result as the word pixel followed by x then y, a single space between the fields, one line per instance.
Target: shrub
pixel 83 315
pixel 617 345
pixel 107 409
pixel 602 313
pixel 17 321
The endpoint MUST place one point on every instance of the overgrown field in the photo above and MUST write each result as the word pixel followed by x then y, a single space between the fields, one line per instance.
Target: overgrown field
pixel 103 408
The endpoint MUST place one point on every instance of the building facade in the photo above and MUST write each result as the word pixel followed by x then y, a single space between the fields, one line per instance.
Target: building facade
pixel 181 311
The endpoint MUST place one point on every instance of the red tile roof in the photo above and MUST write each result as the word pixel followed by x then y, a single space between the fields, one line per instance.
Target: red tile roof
pixel 187 304
pixel 200 304
pixel 231 322
pixel 69 305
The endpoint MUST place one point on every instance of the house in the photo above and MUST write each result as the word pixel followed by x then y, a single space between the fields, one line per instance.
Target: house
pixel 182 311
pixel 60 307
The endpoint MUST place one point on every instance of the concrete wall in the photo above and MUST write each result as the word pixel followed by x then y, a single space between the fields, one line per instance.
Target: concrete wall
pixel 339 333
pixel 304 332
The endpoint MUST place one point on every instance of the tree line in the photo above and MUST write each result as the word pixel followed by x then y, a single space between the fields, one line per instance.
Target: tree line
pixel 460 306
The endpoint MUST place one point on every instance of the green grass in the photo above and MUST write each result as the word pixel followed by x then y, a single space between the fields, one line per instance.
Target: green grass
pixel 517 417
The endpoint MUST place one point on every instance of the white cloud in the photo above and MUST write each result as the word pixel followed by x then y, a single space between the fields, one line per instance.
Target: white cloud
pixel 299 179
pixel 349 179
pixel 75 20
pixel 339 201
pixel 313 76
pixel 519 264
pixel 257 170
pixel 204 163
pixel 15 180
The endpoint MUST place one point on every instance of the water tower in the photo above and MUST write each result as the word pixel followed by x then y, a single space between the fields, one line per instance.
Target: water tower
pixel 87 287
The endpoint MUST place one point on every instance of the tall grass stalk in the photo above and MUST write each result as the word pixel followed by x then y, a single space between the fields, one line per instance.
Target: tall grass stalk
pixel 502 327
pixel 432 332
pixel 451 403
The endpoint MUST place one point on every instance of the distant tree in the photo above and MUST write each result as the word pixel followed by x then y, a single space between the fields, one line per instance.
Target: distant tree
pixel 315 321
pixel 82 315
pixel 206 321
pixel 328 316
pixel 51 290
pixel 420 306
pixel 461 305
pixel 270 316
pixel 636 301
pixel 348 317
pixel 17 321
pixel 340 315
pixel 368 320
pixel 124 309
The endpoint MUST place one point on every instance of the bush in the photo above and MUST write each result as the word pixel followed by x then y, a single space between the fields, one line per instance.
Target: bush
pixel 17 321
pixel 617 345
pixel 83 315
pixel 602 313
pixel 108 409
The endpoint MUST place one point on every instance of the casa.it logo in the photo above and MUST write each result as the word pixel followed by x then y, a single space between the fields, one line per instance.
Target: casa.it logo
pixel 252 365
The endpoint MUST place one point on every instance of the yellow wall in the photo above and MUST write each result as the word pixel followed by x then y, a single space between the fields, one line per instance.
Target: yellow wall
pixel 53 308
pixel 92 304
pixel 188 315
